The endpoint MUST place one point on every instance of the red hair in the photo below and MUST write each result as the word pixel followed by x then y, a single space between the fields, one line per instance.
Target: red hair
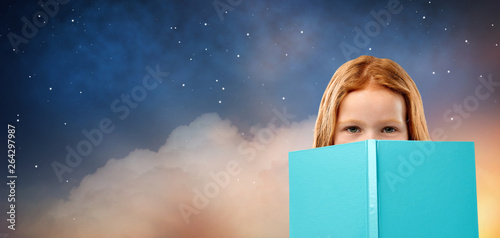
pixel 357 74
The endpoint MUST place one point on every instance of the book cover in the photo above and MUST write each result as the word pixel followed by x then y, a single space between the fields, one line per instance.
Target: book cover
pixel 379 188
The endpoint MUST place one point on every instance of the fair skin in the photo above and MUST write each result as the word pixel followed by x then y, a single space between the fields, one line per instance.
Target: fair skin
pixel 374 112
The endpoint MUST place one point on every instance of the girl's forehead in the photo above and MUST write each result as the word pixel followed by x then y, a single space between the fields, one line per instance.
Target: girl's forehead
pixel 375 101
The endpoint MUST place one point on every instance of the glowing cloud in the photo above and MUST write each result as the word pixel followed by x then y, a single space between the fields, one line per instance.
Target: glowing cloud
pixel 208 180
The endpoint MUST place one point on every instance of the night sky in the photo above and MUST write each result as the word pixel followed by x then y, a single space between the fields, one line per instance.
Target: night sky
pixel 153 96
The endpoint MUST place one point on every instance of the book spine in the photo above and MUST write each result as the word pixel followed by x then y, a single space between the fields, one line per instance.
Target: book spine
pixel 372 189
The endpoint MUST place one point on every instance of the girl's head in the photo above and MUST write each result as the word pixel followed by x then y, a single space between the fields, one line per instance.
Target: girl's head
pixel 370 98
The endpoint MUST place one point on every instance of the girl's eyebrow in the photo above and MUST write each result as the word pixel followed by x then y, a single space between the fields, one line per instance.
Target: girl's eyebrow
pixel 391 121
pixel 352 121
pixel 358 122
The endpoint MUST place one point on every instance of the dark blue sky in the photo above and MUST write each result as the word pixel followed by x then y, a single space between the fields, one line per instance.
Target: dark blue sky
pixel 260 56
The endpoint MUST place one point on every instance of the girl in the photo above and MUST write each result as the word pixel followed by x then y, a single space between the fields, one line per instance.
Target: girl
pixel 370 98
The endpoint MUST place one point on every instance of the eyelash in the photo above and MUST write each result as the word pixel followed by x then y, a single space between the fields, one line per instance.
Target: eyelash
pixel 393 128
pixel 350 127
pixel 358 129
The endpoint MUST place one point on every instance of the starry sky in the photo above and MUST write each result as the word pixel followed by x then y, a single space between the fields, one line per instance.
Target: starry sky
pixel 166 91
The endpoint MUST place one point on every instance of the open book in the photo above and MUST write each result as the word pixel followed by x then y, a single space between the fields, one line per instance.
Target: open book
pixel 380 188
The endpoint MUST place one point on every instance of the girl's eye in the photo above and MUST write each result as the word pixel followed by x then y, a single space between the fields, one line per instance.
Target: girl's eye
pixel 388 130
pixel 352 129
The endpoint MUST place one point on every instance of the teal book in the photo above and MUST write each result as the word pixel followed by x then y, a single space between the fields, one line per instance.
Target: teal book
pixel 381 188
